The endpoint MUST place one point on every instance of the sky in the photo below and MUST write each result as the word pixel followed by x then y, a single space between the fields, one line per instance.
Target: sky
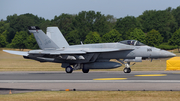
pixel 50 8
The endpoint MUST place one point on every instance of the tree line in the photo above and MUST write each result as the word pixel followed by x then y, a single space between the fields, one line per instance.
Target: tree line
pixel 155 28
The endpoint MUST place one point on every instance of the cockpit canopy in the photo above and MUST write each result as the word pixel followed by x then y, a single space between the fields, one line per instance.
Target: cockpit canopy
pixel 132 42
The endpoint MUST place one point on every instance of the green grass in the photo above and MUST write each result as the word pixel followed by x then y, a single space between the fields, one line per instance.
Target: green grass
pixel 94 96
pixel 10 62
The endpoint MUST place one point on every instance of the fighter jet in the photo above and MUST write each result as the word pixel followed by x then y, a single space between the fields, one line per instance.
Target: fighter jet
pixel 54 48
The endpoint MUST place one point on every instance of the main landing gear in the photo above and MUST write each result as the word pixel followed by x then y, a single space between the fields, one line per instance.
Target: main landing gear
pixel 85 70
pixel 69 69
pixel 127 68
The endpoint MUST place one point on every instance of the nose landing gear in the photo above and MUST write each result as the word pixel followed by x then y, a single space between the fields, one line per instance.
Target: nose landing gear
pixel 127 68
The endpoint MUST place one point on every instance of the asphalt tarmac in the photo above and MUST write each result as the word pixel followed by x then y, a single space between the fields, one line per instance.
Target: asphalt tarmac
pixel 15 82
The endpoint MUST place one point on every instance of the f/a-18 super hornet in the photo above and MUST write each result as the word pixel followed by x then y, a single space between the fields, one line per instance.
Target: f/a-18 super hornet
pixel 54 48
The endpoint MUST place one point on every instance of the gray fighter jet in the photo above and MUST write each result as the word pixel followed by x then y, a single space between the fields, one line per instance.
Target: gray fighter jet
pixel 54 48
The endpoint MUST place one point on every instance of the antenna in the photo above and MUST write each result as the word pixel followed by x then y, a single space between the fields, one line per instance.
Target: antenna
pixel 81 43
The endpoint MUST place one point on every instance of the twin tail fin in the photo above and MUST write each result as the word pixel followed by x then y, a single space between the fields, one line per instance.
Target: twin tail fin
pixel 42 39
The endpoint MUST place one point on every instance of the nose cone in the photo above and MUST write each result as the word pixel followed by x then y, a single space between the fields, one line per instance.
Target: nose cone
pixel 167 54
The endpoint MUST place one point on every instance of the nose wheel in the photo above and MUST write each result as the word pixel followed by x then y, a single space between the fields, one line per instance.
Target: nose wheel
pixel 127 70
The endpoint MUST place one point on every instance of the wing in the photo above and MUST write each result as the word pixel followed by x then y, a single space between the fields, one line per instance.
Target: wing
pixel 17 52
pixel 69 51
pixel 99 50
pixel 55 52
pixel 76 51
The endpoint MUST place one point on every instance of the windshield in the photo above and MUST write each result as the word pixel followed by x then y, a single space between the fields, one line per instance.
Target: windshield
pixel 132 42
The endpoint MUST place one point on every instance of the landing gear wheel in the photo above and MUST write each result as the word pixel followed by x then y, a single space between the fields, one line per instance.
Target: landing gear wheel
pixel 69 69
pixel 85 70
pixel 127 70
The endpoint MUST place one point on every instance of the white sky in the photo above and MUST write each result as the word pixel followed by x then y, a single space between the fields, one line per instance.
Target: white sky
pixel 49 8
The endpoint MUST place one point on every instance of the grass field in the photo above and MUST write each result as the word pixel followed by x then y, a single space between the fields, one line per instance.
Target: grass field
pixel 10 62
pixel 94 96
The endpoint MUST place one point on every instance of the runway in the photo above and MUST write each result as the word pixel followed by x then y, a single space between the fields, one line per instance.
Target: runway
pixel 94 80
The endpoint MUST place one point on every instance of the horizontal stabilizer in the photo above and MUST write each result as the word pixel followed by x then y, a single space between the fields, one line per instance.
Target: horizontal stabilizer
pixel 17 52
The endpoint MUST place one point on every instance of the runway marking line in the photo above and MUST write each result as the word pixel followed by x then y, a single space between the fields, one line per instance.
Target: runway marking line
pixel 152 75
pixel 176 73
pixel 110 79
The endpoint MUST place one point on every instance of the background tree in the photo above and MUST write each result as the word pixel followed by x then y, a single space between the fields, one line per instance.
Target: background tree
pixel 73 37
pixel 92 37
pixel 3 26
pixel 19 40
pixel 5 34
pixel 43 25
pixel 153 38
pixel 21 23
pixel 92 21
pixel 101 25
pixel 124 24
pixel 30 42
pixel 162 21
pixel 112 36
pixel 176 14
pixel 2 41
pixel 4 29
pixel 75 27
pixel 138 34
pixel 175 40
pixel 64 23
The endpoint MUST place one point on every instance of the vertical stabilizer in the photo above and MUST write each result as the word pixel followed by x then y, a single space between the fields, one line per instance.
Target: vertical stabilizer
pixel 42 39
pixel 56 36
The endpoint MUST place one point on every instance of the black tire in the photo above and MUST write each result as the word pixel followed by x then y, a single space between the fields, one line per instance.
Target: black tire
pixel 85 70
pixel 127 70
pixel 69 69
